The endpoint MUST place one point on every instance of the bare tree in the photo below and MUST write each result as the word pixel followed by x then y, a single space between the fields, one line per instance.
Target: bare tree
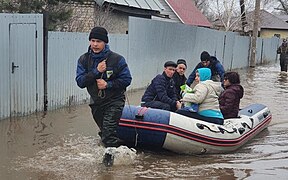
pixel 88 15
pixel 204 7
pixel 231 12
pixel 284 6
pixel 226 13
pixel 243 15
pixel 103 17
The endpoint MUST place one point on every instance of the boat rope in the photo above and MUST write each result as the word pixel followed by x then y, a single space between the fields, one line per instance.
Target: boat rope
pixel 141 112
pixel 244 124
pixel 136 138
pixel 101 92
pixel 129 107
pixel 221 130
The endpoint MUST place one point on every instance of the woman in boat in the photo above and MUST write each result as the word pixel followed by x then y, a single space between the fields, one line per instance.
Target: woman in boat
pixel 206 94
pixel 229 100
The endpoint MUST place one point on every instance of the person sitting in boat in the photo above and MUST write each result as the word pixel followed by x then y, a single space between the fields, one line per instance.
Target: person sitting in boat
pixel 229 99
pixel 161 93
pixel 179 76
pixel 205 94
pixel 210 62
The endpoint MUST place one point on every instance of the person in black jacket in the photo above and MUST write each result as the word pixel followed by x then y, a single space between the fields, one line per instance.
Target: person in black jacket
pixel 283 51
pixel 210 62
pixel 179 76
pixel 161 93
pixel 105 75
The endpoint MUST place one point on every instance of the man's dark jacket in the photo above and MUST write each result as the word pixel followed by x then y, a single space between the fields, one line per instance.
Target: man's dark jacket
pixel 215 66
pixel 162 88
pixel 117 75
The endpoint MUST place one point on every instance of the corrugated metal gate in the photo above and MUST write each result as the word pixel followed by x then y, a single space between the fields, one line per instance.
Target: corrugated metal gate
pixel 21 69
pixel 23 61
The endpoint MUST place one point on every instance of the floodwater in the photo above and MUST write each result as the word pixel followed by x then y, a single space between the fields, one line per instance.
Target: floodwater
pixel 63 144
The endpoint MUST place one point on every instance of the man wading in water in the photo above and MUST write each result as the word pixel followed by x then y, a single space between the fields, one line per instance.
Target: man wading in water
pixel 105 75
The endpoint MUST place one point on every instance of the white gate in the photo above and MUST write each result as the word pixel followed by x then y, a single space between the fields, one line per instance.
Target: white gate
pixel 23 68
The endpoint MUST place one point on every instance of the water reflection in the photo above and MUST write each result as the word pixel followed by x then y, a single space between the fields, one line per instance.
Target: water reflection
pixel 282 81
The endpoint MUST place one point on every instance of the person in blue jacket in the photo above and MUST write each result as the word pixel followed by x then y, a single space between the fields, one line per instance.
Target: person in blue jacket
pixel 105 75
pixel 161 93
pixel 210 62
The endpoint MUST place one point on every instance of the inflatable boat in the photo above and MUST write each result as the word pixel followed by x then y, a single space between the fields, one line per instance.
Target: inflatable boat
pixel 154 128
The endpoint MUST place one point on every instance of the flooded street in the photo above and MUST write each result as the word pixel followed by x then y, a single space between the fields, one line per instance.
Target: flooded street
pixel 64 144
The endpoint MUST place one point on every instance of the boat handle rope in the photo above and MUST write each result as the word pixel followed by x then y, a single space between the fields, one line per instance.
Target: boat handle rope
pixel 221 130
pixel 139 116
pixel 244 124
pixel 140 113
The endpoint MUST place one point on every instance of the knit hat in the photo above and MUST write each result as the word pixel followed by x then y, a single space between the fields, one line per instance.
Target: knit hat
pixel 170 63
pixel 181 61
pixel 99 33
pixel 205 56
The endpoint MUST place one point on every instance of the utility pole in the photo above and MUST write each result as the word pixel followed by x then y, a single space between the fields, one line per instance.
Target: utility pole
pixel 255 33
pixel 243 15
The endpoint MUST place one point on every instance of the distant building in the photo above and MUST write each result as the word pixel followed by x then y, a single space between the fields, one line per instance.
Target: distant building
pixel 114 14
pixel 269 25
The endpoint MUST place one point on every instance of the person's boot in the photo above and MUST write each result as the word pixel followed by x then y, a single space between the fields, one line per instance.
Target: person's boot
pixel 108 158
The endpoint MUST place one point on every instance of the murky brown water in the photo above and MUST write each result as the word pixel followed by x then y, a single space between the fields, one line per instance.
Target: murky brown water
pixel 63 144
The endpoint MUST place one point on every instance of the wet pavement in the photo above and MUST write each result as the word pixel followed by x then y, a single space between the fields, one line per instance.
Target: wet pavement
pixel 64 144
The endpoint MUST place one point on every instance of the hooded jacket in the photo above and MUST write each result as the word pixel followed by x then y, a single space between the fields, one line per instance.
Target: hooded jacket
pixel 230 99
pixel 206 94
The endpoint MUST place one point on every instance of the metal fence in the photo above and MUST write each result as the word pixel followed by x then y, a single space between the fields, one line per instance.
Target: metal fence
pixel 147 46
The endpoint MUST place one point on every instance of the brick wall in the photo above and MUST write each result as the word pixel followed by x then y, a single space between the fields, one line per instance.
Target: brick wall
pixel 88 15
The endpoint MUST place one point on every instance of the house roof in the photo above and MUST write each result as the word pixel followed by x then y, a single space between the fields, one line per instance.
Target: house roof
pixel 153 5
pixel 188 13
pixel 168 13
pixel 270 21
pixel 267 21
pixel 283 17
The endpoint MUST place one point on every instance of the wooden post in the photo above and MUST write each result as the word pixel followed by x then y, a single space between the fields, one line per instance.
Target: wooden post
pixel 255 34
